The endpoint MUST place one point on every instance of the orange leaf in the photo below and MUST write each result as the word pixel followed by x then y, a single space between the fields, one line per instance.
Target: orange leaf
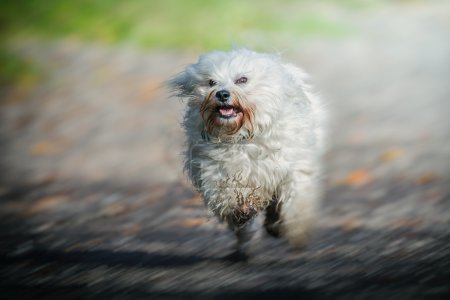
pixel 391 154
pixel 426 178
pixel 193 202
pixel 357 177
pixel 45 148
pixel 192 222
pixel 114 210
pixel 47 203
pixel 351 224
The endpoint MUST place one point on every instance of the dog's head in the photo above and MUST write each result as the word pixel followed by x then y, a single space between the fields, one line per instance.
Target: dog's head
pixel 237 93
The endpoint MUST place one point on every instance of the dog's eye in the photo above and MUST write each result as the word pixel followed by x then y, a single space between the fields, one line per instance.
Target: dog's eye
pixel 241 80
pixel 212 82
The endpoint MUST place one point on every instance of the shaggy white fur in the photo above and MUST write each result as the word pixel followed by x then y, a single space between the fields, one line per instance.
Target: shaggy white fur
pixel 255 137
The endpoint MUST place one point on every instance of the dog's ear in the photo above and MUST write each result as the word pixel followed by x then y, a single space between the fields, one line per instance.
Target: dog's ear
pixel 183 84
pixel 299 76
pixel 300 81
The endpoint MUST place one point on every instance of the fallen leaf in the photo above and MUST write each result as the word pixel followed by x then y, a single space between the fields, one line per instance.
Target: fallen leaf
pixel 193 202
pixel 47 203
pixel 114 210
pixel 131 229
pixel 46 148
pixel 426 178
pixel 391 154
pixel 351 224
pixel 357 177
pixel 192 222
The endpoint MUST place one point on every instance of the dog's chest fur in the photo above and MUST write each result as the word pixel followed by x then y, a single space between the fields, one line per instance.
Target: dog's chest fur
pixel 244 174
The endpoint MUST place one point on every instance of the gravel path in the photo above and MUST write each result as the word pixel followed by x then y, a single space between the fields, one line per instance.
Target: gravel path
pixel 94 204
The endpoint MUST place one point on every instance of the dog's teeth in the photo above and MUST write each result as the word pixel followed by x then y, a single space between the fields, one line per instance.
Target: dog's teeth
pixel 226 111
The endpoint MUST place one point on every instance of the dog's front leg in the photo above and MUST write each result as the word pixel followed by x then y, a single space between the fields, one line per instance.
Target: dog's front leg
pixel 242 223
pixel 243 235
pixel 236 202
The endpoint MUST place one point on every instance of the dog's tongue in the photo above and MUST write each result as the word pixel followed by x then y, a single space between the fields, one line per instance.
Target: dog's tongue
pixel 226 111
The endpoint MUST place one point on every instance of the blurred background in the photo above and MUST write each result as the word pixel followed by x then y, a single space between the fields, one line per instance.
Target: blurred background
pixel 93 201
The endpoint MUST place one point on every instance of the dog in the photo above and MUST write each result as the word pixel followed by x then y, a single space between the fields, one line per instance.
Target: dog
pixel 255 138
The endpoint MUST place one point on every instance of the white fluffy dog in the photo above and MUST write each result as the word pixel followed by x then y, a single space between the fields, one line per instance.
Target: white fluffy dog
pixel 255 139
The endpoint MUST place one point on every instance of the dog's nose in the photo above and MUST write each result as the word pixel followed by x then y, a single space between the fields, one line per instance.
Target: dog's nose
pixel 223 95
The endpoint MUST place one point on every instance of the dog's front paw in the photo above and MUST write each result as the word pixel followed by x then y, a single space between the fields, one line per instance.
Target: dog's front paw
pixel 273 228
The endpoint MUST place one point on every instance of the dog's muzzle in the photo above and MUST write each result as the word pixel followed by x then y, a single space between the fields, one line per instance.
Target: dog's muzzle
pixel 223 96
pixel 225 109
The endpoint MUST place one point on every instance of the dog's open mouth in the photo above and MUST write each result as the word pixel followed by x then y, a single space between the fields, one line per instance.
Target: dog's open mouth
pixel 228 111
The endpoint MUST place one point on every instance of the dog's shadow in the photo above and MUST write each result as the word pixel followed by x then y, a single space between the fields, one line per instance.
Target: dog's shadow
pixel 88 260
pixel 108 258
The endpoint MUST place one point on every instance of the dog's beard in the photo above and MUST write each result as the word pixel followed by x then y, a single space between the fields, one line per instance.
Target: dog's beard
pixel 222 121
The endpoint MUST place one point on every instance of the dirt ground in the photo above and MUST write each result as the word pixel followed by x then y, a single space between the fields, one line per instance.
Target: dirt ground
pixel 94 205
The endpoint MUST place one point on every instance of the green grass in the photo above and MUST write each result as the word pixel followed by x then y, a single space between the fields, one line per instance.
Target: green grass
pixel 15 70
pixel 165 23
pixel 169 24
